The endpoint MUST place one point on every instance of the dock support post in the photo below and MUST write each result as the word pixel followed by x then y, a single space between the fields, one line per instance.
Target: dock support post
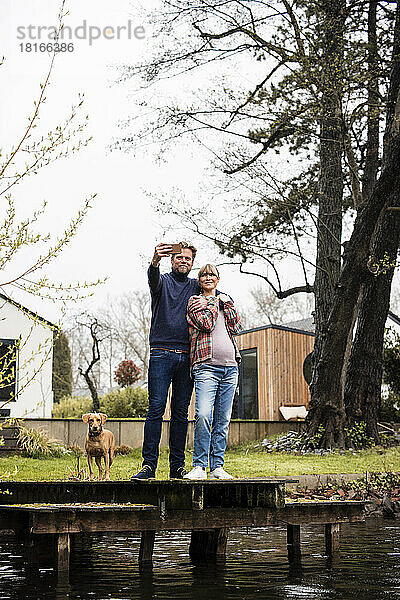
pixel 208 544
pixel 332 534
pixel 293 541
pixel 146 546
pixel 63 552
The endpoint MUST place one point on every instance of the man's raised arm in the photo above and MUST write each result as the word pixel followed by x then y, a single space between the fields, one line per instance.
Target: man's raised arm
pixel 154 272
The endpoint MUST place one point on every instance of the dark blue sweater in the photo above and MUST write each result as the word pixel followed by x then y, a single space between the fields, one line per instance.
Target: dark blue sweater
pixel 170 294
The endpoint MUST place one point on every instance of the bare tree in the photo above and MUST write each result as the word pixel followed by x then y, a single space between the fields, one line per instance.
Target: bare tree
pixel 125 327
pixel 266 308
pixel 95 329
pixel 127 319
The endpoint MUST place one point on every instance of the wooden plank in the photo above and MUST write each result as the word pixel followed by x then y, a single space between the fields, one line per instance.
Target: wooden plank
pixel 96 521
pixel 175 520
pixel 322 513
pixel 178 494
pixel 147 546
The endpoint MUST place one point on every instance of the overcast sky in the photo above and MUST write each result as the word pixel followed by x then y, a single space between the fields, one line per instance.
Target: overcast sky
pixel 119 234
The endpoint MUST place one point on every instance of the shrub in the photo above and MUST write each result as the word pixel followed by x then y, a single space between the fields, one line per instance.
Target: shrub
pixel 127 373
pixel 127 403
pixel 357 436
pixel 77 450
pixel 123 450
pixel 71 407
pixel 62 369
pixel 36 443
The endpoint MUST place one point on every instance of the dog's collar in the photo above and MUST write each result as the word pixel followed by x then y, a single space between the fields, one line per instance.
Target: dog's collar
pixel 93 434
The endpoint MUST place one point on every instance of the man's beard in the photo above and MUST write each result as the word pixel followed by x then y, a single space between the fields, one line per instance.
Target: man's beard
pixel 182 269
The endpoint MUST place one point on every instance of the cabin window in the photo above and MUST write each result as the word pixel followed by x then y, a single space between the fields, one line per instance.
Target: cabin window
pixel 246 400
pixel 8 370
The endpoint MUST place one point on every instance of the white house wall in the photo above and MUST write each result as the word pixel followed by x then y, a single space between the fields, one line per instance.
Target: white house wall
pixel 34 365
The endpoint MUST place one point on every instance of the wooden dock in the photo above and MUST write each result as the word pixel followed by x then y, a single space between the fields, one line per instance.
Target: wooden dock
pixel 47 514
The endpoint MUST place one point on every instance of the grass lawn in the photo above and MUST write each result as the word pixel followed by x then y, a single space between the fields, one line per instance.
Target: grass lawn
pixel 242 461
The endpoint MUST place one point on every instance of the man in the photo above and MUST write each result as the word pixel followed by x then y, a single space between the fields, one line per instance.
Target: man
pixel 169 358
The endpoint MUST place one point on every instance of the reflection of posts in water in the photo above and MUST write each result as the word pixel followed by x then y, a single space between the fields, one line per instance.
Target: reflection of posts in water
pixel 42 550
pixel 146 581
pixel 206 574
pixel 38 550
pixel 63 589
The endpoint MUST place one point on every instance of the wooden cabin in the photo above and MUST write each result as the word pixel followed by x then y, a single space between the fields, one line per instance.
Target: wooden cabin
pixel 273 370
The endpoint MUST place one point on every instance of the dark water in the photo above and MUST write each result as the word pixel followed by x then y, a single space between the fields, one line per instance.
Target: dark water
pixel 256 567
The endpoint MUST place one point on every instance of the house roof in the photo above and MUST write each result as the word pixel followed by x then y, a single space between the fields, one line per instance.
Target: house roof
pixel 285 327
pixel 306 325
pixel 28 312
pixel 394 317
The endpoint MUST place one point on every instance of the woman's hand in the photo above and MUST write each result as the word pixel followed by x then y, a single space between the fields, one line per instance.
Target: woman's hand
pixel 199 303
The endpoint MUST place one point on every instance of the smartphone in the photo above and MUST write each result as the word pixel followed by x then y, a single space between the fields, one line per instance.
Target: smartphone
pixel 176 248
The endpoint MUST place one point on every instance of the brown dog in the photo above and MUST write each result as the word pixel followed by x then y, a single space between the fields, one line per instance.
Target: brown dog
pixel 99 443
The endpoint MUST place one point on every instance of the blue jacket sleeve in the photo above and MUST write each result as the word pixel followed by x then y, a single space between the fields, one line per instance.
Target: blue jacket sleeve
pixel 155 280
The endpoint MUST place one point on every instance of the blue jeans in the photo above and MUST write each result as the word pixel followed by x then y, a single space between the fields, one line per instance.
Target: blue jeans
pixel 167 367
pixel 215 388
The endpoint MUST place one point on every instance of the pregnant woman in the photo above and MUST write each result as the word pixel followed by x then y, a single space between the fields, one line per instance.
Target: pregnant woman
pixel 214 360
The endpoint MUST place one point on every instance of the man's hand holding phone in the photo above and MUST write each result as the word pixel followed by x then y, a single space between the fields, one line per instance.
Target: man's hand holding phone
pixel 162 250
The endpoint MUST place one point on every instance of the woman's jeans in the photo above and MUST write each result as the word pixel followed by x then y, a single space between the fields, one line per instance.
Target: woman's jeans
pixel 215 388
pixel 166 367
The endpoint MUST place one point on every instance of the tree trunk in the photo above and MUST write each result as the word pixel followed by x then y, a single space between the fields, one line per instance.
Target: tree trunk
pixel 372 153
pixel 93 327
pixel 364 374
pixel 330 194
pixel 93 392
pixel 326 384
pixel 364 378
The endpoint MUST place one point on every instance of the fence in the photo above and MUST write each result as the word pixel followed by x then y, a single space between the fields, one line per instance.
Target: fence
pixel 130 431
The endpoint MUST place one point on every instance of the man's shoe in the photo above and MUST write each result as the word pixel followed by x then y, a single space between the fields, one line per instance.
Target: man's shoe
pixel 196 473
pixel 178 473
pixel 219 473
pixel 146 472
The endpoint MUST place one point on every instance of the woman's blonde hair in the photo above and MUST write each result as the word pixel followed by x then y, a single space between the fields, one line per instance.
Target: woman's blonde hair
pixel 208 268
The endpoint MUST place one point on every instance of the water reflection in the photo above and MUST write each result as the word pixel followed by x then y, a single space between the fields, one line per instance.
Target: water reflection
pixel 256 567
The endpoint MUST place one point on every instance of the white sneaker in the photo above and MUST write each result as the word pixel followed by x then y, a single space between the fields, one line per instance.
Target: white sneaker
pixel 219 473
pixel 196 473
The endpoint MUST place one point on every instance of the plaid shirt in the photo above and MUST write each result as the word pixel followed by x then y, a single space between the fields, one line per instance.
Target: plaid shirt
pixel 202 323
